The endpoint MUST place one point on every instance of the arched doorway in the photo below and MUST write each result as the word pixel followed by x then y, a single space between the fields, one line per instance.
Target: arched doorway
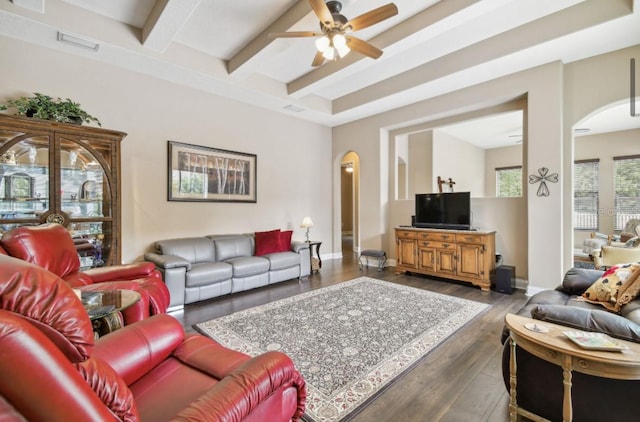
pixel 350 203
pixel 606 170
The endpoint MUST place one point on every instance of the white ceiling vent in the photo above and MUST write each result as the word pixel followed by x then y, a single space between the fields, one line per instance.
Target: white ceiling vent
pixel 294 108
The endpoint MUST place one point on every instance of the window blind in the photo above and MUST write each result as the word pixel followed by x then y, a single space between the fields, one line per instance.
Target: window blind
pixel 585 194
pixel 627 189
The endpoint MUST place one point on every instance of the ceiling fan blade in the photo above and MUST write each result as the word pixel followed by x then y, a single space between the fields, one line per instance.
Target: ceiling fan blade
pixel 322 11
pixel 363 47
pixel 294 34
pixel 372 17
pixel 318 59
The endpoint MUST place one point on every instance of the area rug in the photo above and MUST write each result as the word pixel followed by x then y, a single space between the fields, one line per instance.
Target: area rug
pixel 586 265
pixel 350 340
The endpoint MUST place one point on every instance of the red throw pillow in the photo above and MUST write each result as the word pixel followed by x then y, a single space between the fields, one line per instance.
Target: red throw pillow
pixel 267 242
pixel 285 240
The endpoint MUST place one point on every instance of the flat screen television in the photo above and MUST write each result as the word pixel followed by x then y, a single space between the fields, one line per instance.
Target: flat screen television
pixel 450 210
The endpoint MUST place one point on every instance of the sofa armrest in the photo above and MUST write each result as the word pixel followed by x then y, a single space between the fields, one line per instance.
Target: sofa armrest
pixel 122 272
pixel 167 261
pixel 135 349
pixel 577 280
pixel 241 392
pixel 589 320
pixel 297 246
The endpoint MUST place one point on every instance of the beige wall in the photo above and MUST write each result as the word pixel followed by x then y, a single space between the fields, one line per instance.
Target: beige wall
pixel 421 163
pixel 605 146
pixel 294 156
pixel 459 160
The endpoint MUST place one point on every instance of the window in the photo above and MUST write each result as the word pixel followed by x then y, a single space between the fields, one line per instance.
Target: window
pixel 508 181
pixel 585 194
pixel 627 189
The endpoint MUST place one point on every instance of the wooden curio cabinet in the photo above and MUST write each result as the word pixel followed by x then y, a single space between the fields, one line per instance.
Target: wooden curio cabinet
pixel 63 173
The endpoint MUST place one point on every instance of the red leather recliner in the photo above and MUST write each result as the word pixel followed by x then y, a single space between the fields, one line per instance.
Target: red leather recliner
pixel 148 371
pixel 50 246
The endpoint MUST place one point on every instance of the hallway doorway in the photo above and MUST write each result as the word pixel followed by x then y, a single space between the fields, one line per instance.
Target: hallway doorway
pixel 350 195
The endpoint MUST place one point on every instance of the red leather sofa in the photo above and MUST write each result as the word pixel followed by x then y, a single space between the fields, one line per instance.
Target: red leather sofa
pixel 50 246
pixel 148 371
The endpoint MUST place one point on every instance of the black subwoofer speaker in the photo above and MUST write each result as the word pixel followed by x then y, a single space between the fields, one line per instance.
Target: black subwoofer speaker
pixel 505 279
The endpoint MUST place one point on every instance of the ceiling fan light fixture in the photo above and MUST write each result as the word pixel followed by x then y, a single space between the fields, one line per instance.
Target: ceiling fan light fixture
pixel 322 43
pixel 329 53
pixel 340 44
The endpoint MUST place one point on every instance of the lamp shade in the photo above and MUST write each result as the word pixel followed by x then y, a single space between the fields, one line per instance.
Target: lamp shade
pixel 306 223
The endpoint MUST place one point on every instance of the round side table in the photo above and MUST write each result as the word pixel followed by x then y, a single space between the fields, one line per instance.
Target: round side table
pixel 104 307
pixel 551 344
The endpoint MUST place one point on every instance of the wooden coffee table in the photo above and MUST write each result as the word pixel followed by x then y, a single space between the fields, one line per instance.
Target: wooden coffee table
pixel 104 307
pixel 556 348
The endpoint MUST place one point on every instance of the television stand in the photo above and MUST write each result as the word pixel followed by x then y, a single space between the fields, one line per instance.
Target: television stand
pixel 462 255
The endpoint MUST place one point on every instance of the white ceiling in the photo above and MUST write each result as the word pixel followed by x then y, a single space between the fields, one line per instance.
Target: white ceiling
pixel 430 48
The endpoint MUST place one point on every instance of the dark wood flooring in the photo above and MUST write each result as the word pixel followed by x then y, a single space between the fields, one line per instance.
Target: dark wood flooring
pixel 458 381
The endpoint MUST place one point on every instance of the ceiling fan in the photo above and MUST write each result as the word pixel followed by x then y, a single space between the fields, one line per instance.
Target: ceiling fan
pixel 334 41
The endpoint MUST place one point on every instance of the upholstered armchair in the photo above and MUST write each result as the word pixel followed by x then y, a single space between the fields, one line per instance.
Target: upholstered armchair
pixel 50 246
pixel 53 370
pixel 610 255
pixel 597 240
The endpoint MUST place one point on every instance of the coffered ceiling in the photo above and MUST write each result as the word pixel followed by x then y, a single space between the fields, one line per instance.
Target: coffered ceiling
pixel 430 48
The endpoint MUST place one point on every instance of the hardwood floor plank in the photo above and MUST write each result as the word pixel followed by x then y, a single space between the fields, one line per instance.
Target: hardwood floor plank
pixel 460 380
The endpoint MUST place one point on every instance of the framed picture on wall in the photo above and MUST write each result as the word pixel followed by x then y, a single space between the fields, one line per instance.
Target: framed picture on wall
pixel 203 174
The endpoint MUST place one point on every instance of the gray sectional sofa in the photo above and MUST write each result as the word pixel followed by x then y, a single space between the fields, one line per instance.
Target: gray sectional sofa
pixel 199 268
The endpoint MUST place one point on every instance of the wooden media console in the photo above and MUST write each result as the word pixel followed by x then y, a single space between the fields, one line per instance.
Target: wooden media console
pixel 455 254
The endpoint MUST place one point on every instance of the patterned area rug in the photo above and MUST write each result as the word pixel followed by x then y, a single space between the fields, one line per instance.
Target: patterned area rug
pixel 587 265
pixel 350 340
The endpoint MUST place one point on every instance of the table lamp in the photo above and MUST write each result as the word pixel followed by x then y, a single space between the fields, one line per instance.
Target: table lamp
pixel 307 223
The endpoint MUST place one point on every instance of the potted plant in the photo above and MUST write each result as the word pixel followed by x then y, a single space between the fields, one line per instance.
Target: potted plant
pixel 42 106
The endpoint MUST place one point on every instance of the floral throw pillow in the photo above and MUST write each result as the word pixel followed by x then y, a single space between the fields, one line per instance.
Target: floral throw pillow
pixel 618 286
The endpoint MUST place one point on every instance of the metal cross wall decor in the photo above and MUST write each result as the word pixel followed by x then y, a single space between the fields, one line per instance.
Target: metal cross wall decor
pixel 544 177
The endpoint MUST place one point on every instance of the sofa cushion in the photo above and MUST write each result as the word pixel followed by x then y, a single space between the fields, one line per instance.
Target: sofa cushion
pixel 267 242
pixel 246 266
pixel 233 247
pixel 282 260
pixel 593 320
pixel 208 273
pixel 577 280
pixel 285 240
pixel 193 249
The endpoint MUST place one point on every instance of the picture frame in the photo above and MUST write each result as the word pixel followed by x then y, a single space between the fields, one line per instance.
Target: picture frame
pixel 204 174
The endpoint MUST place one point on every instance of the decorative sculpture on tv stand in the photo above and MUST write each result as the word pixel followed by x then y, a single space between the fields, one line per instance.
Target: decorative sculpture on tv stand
pixel 442 181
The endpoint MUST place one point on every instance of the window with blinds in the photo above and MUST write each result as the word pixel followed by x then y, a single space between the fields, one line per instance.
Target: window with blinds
pixel 508 181
pixel 585 194
pixel 627 189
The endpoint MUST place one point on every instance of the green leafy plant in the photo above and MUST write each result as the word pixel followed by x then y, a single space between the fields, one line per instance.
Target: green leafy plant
pixel 42 106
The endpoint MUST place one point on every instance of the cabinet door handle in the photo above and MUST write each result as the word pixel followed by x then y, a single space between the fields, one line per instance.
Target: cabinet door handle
pixel 446 245
pixel 445 236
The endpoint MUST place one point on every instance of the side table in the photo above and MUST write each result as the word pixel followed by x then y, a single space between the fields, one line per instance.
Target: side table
pixel 317 244
pixel 104 306
pixel 556 348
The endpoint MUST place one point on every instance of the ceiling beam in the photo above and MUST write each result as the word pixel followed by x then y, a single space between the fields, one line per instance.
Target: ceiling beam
pixel 403 30
pixel 165 21
pixel 565 22
pixel 295 13
pixel 35 5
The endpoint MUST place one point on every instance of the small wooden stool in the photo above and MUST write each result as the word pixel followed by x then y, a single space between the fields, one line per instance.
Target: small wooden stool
pixel 380 256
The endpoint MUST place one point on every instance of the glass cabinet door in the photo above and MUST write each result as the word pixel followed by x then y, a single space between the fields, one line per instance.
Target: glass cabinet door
pixel 85 192
pixel 24 178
